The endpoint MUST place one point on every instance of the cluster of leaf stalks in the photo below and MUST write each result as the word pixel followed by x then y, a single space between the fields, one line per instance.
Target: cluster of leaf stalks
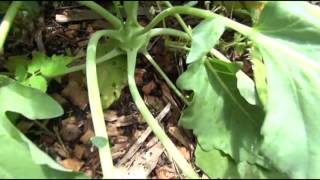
pixel 130 38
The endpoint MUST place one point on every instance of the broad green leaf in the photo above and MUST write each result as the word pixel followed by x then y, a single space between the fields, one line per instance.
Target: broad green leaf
pixel 112 76
pixel 55 65
pixel 19 157
pixel 204 37
pixel 218 115
pixel 38 82
pixel 220 166
pixel 246 87
pixel 290 46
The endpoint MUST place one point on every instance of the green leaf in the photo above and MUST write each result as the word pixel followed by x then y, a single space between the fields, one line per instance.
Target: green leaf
pixel 112 76
pixel 100 142
pixel 55 65
pixel 289 45
pixel 38 82
pixel 220 166
pixel 19 157
pixel 246 87
pixel 259 71
pixel 21 73
pixel 14 61
pixel 218 115
pixel 204 37
pixel 38 59
pixel 48 66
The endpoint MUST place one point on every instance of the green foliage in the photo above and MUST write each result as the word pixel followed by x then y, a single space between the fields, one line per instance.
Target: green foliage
pixel 214 84
pixel 112 76
pixel 219 165
pixel 36 72
pixel 292 126
pixel 287 83
pixel 204 37
pixel 19 157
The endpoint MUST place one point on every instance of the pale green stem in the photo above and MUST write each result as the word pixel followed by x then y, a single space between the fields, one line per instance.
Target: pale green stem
pixel 165 77
pixel 245 30
pixel 180 20
pixel 213 51
pixel 153 123
pixel 99 125
pixel 183 35
pixel 103 12
pixel 7 22
pixel 116 5
pixel 131 8
pixel 113 53
pixel 160 9
pixel 168 31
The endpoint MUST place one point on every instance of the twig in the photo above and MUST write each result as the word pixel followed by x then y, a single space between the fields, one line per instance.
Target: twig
pixel 135 147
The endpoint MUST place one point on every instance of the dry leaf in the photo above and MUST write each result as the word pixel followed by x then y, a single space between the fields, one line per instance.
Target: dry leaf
pixel 148 88
pixel 73 164
pixel 85 138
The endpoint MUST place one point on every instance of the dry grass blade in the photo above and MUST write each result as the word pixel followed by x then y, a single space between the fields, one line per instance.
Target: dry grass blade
pixel 134 148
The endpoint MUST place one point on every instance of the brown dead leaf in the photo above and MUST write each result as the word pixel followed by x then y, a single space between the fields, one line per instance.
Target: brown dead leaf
pixel 178 135
pixel 70 132
pixel 74 26
pixel 119 150
pixel 73 164
pixel 111 115
pixel 85 138
pixel 186 154
pixel 123 121
pixel 57 148
pixel 114 131
pixel 71 33
pixel 155 102
pixel 148 88
pixel 119 139
pixel 77 94
pixel 165 172
pixel 82 43
pixel 139 73
pixel 79 151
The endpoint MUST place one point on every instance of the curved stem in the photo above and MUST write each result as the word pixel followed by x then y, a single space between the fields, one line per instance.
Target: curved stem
pixel 113 53
pixel 183 35
pixel 153 123
pixel 103 12
pixel 180 20
pixel 95 104
pixel 245 30
pixel 7 22
pixel 131 8
pixel 165 77
pixel 168 31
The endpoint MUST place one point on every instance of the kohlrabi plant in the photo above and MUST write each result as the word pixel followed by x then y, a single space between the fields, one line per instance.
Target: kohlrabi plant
pixel 266 128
